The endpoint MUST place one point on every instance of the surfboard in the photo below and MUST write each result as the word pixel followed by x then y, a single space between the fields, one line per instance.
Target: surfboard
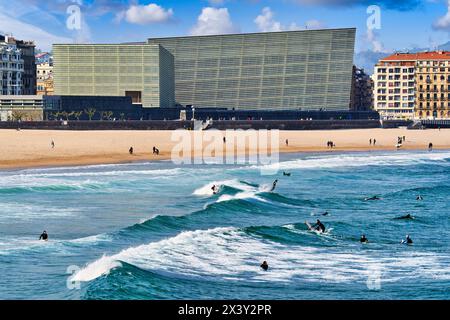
pixel 309 226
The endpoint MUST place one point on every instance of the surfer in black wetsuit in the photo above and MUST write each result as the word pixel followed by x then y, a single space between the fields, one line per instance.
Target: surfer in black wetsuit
pixel 214 189
pixel 44 236
pixel 274 185
pixel 408 240
pixel 319 226
pixel 364 239
pixel 265 266
pixel 325 213
pixel 408 216
pixel 419 198
pixel 372 198
pixel 286 174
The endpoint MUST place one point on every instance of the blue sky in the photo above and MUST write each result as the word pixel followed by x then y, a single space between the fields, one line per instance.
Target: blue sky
pixel 404 23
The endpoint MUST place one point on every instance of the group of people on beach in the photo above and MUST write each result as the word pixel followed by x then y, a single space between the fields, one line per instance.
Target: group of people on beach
pixel 331 145
pixel 372 141
pixel 155 151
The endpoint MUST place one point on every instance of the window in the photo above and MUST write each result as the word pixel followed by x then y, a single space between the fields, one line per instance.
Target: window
pixel 136 96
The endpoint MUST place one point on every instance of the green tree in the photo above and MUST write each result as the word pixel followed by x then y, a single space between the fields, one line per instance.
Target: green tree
pixel 17 115
pixel 90 113
pixel 78 114
pixel 106 115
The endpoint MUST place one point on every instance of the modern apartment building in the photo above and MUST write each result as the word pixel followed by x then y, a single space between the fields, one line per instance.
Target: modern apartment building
pixel 362 91
pixel 11 68
pixel 394 86
pixel 307 70
pixel 413 86
pixel 143 72
pixel 17 66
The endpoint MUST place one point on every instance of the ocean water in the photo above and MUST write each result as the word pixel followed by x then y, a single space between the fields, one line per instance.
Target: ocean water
pixel 156 231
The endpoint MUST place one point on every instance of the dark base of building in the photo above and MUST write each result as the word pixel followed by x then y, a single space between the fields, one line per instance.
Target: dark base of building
pixel 122 108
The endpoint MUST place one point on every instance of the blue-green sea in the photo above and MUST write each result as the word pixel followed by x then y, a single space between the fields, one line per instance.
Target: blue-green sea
pixel 156 230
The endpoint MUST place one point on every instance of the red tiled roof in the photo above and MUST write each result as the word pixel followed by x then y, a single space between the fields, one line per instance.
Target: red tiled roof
pixel 432 55
pixel 41 54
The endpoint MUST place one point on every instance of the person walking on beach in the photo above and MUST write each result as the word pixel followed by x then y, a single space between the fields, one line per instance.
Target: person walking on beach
pixel 430 147
pixel 53 144
pixel 370 141
pixel 287 143
pixel 374 142
pixel 224 140
pixel 131 150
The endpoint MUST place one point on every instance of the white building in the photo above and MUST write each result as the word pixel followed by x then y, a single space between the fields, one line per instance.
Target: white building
pixel 394 87
pixel 11 69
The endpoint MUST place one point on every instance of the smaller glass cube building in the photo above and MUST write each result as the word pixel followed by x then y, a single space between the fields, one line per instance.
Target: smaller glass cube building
pixel 143 72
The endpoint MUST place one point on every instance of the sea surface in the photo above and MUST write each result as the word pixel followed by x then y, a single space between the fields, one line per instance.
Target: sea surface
pixel 156 231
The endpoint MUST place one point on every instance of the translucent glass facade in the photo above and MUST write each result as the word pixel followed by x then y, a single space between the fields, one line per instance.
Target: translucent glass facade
pixel 309 69
pixel 144 71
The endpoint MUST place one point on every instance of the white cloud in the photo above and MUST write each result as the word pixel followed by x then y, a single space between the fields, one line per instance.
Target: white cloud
pixel 25 31
pixel 146 14
pixel 372 38
pixel 214 21
pixel 265 22
pixel 315 24
pixel 216 2
pixel 443 23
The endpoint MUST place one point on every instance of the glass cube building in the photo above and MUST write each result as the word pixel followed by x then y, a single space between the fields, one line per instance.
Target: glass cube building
pixel 307 70
pixel 143 72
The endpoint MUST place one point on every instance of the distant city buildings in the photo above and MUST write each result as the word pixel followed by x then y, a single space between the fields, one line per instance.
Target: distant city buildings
pixel 413 86
pixel 44 79
pixel 362 91
pixel 44 57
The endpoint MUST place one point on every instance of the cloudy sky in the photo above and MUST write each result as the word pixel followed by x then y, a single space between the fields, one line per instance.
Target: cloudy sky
pixel 404 24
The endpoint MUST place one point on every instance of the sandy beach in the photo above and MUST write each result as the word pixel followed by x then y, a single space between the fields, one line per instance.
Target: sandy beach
pixel 32 148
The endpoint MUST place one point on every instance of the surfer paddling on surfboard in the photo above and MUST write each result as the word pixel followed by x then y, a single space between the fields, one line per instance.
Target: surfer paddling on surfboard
pixel 319 226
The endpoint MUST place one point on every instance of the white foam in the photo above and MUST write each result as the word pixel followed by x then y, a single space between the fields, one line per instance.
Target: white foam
pixel 232 254
pixel 96 269
pixel 358 160
pixel 206 190
pixel 21 211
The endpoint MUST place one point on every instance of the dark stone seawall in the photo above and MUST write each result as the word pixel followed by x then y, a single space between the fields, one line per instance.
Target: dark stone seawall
pixel 173 125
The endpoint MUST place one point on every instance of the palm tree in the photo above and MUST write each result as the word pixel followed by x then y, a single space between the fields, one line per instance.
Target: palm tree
pixel 55 115
pixel 106 115
pixel 109 115
pixel 90 113
pixel 78 114
pixel 65 115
